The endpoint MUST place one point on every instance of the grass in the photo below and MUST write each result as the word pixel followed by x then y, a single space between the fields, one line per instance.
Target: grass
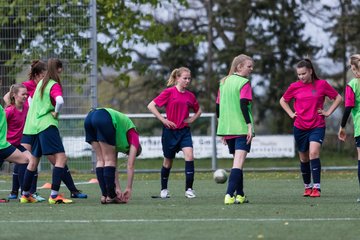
pixel 276 211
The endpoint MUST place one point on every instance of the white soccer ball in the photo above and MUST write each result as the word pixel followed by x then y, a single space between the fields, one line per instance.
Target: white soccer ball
pixel 220 176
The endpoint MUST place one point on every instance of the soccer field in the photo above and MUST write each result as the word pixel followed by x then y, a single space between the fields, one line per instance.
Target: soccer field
pixel 276 210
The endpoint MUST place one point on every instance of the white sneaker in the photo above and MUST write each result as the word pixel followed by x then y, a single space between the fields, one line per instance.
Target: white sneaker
pixel 190 193
pixel 164 193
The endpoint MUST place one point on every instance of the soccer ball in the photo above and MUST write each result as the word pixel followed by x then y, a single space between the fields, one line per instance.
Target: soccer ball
pixel 220 176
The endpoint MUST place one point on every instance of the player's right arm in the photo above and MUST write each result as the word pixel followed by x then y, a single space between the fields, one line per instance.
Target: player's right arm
pixel 153 109
pixel 7 99
pixel 287 108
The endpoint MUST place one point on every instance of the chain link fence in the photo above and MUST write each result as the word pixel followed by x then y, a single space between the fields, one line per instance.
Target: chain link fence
pixel 52 29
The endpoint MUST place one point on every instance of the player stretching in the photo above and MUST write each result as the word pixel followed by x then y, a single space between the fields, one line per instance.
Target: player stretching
pixel 109 132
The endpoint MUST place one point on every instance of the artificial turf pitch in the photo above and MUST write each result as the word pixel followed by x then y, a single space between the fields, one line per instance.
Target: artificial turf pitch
pixel 276 210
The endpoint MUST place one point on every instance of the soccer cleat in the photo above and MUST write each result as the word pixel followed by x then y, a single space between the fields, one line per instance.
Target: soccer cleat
pixel 241 199
pixel 12 195
pixel 358 200
pixel 29 199
pixel 78 194
pixel 315 192
pixel 307 192
pixel 229 200
pixel 190 193
pixel 114 200
pixel 59 200
pixel 164 193
pixel 38 197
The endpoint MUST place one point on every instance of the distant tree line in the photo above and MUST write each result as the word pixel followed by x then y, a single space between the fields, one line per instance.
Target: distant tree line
pixel 143 41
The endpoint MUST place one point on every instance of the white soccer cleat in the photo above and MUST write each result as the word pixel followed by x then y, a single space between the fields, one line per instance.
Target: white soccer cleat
pixel 164 193
pixel 190 193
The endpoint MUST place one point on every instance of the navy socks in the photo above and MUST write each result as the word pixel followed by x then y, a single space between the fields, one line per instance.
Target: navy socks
pixel 233 184
pixel 165 172
pixel 189 174
pixel 28 178
pixel 316 171
pixel 56 178
pixel 109 176
pixel 68 180
pixel 101 180
pixel 305 172
pixel 15 179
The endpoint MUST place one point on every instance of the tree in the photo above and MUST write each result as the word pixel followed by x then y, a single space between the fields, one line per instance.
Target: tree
pixel 280 44
pixel 345 31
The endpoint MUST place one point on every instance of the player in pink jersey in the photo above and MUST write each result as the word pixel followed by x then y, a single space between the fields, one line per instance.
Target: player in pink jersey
pixel 15 117
pixel 309 94
pixel 176 134
pixel 36 73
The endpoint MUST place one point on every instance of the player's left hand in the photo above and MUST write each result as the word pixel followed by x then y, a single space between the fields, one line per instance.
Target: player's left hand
pixel 126 195
pixel 189 120
pixel 55 114
pixel 322 112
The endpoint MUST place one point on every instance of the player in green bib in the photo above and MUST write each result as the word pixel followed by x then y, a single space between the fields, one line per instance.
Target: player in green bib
pixel 235 122
pixel 109 132
pixel 352 105
pixel 42 125
pixel 7 151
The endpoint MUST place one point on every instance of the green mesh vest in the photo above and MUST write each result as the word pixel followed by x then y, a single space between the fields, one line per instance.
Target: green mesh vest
pixel 122 125
pixel 231 119
pixel 3 129
pixel 39 116
pixel 355 85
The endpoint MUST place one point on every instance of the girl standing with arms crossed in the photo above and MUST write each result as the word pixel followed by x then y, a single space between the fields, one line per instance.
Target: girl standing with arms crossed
pixel 42 126
pixel 235 123
pixel 176 133
pixel 309 94
pixel 352 104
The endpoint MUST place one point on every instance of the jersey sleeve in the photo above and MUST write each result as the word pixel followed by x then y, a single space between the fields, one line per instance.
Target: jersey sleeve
pixel 289 93
pixel 133 138
pixel 245 92
pixel 163 98
pixel 349 97
pixel 55 91
pixel 218 97
pixel 330 91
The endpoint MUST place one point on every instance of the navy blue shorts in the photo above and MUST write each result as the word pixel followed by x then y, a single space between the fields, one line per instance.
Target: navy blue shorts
pixel 21 148
pixel 99 127
pixel 6 152
pixel 304 137
pixel 27 139
pixel 238 143
pixel 357 141
pixel 47 142
pixel 175 140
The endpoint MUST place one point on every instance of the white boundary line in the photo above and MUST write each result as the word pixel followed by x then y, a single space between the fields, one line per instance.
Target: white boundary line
pixel 186 220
